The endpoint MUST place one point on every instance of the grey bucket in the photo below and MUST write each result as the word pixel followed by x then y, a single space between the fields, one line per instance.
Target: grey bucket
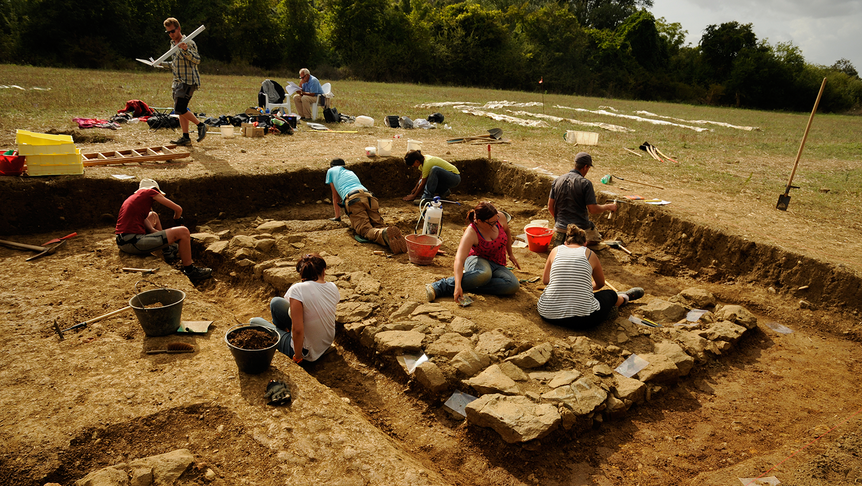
pixel 159 321
pixel 252 361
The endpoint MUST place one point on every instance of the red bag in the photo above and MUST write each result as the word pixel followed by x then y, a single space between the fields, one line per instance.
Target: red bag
pixel 12 165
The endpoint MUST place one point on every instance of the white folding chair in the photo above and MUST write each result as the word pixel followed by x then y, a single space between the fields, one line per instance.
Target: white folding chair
pixel 273 107
pixel 327 93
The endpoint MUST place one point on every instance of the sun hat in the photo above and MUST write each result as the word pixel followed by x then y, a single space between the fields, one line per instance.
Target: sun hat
pixel 150 184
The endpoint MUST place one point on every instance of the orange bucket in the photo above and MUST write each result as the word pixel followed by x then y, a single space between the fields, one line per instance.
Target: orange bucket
pixel 421 249
pixel 539 238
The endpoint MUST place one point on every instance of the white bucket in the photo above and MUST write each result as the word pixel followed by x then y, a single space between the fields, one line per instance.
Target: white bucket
pixel 581 138
pixel 384 148
pixel 414 145
pixel 370 151
pixel 226 131
pixel 364 121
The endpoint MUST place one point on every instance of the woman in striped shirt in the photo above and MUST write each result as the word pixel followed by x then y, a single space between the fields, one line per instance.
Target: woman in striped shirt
pixel 572 273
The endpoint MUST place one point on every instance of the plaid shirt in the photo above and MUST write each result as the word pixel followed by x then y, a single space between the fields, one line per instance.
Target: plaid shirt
pixel 184 64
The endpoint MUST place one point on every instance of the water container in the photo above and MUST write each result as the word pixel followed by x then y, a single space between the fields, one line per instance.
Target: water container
pixel 433 218
pixel 384 148
pixel 364 121
pixel 414 145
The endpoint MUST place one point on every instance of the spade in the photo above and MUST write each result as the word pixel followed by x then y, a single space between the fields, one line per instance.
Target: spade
pixel 494 133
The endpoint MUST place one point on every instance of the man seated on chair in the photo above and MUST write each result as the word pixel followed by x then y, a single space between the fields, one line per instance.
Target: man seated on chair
pixel 309 91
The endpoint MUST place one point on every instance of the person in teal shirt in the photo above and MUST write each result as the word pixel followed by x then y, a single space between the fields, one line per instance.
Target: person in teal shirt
pixel 361 207
pixel 438 176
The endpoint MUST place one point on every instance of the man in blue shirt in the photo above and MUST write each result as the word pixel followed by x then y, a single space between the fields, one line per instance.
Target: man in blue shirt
pixel 361 207
pixel 309 91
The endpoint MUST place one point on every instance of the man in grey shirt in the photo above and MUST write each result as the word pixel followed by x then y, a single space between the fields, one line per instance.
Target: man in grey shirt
pixel 573 200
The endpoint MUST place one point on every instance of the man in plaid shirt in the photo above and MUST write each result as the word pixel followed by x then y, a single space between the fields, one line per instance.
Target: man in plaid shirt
pixel 184 64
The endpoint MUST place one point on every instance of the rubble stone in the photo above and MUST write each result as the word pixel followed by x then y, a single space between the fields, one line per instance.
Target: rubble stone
pixel 516 419
pixel 533 357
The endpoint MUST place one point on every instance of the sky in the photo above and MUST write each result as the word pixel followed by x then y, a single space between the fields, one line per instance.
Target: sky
pixel 824 30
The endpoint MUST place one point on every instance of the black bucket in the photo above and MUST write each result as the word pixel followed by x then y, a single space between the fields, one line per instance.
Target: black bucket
pixel 162 320
pixel 252 361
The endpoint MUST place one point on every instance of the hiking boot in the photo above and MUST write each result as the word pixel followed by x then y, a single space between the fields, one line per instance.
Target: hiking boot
pixel 634 293
pixel 196 274
pixel 395 240
pixel 184 141
pixel 202 131
pixel 429 293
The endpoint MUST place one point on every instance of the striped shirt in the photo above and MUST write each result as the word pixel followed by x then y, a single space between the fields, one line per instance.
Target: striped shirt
pixel 184 64
pixel 570 291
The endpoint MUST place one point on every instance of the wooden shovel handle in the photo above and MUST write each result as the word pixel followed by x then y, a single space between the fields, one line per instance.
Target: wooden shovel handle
pixel 109 314
pixel 805 136
pixel 21 246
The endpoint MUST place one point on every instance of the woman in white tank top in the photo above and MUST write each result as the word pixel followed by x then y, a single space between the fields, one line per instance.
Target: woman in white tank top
pixel 572 273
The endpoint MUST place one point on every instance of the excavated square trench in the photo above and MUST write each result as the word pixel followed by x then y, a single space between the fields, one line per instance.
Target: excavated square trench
pixel 561 383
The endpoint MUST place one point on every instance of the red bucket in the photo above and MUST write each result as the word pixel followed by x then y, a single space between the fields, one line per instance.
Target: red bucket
pixel 421 249
pixel 11 165
pixel 539 238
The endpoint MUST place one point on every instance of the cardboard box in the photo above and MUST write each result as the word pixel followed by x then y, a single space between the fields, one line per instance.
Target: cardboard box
pixel 254 132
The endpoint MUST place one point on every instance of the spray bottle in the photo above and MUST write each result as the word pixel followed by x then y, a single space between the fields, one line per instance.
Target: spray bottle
pixel 433 218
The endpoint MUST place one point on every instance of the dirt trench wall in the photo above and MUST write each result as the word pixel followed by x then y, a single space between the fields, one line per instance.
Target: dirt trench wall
pixel 39 205
pixel 713 255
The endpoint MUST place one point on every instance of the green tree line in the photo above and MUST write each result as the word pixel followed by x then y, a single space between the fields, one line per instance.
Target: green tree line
pixel 613 48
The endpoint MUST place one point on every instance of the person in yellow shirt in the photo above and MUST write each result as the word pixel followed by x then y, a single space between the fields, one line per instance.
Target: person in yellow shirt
pixel 438 176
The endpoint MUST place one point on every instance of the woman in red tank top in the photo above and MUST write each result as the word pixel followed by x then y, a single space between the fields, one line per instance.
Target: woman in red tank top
pixel 480 263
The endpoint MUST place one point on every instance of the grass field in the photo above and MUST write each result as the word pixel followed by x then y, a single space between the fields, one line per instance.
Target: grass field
pixel 724 161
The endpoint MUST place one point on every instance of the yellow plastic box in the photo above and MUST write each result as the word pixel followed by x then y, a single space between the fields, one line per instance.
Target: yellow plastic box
pixel 33 138
pixel 60 149
pixel 57 164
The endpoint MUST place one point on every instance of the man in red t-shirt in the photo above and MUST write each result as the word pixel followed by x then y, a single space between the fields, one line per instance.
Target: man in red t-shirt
pixel 139 230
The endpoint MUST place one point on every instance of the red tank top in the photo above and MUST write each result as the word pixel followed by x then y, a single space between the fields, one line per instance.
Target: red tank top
pixel 491 250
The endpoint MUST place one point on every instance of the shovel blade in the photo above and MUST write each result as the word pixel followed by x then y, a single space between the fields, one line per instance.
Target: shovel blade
pixel 783 202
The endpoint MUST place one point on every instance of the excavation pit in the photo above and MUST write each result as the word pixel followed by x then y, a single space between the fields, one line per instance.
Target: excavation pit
pixel 325 431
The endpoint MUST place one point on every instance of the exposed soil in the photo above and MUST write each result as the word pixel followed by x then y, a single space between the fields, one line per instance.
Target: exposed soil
pixel 95 398
pixel 251 339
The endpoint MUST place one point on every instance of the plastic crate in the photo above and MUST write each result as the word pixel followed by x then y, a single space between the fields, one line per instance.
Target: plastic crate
pixel 60 149
pixel 33 138
pixel 58 164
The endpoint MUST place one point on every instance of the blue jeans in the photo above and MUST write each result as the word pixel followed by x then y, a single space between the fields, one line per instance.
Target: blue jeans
pixel 279 307
pixel 439 182
pixel 480 276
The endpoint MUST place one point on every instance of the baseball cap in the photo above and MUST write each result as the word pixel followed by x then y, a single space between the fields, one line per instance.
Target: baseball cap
pixel 583 158
pixel 150 184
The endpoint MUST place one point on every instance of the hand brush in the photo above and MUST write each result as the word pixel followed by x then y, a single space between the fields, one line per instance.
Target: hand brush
pixel 174 348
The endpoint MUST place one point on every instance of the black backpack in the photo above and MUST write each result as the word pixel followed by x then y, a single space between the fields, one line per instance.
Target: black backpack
pixel 160 120
pixel 393 121
pixel 331 115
